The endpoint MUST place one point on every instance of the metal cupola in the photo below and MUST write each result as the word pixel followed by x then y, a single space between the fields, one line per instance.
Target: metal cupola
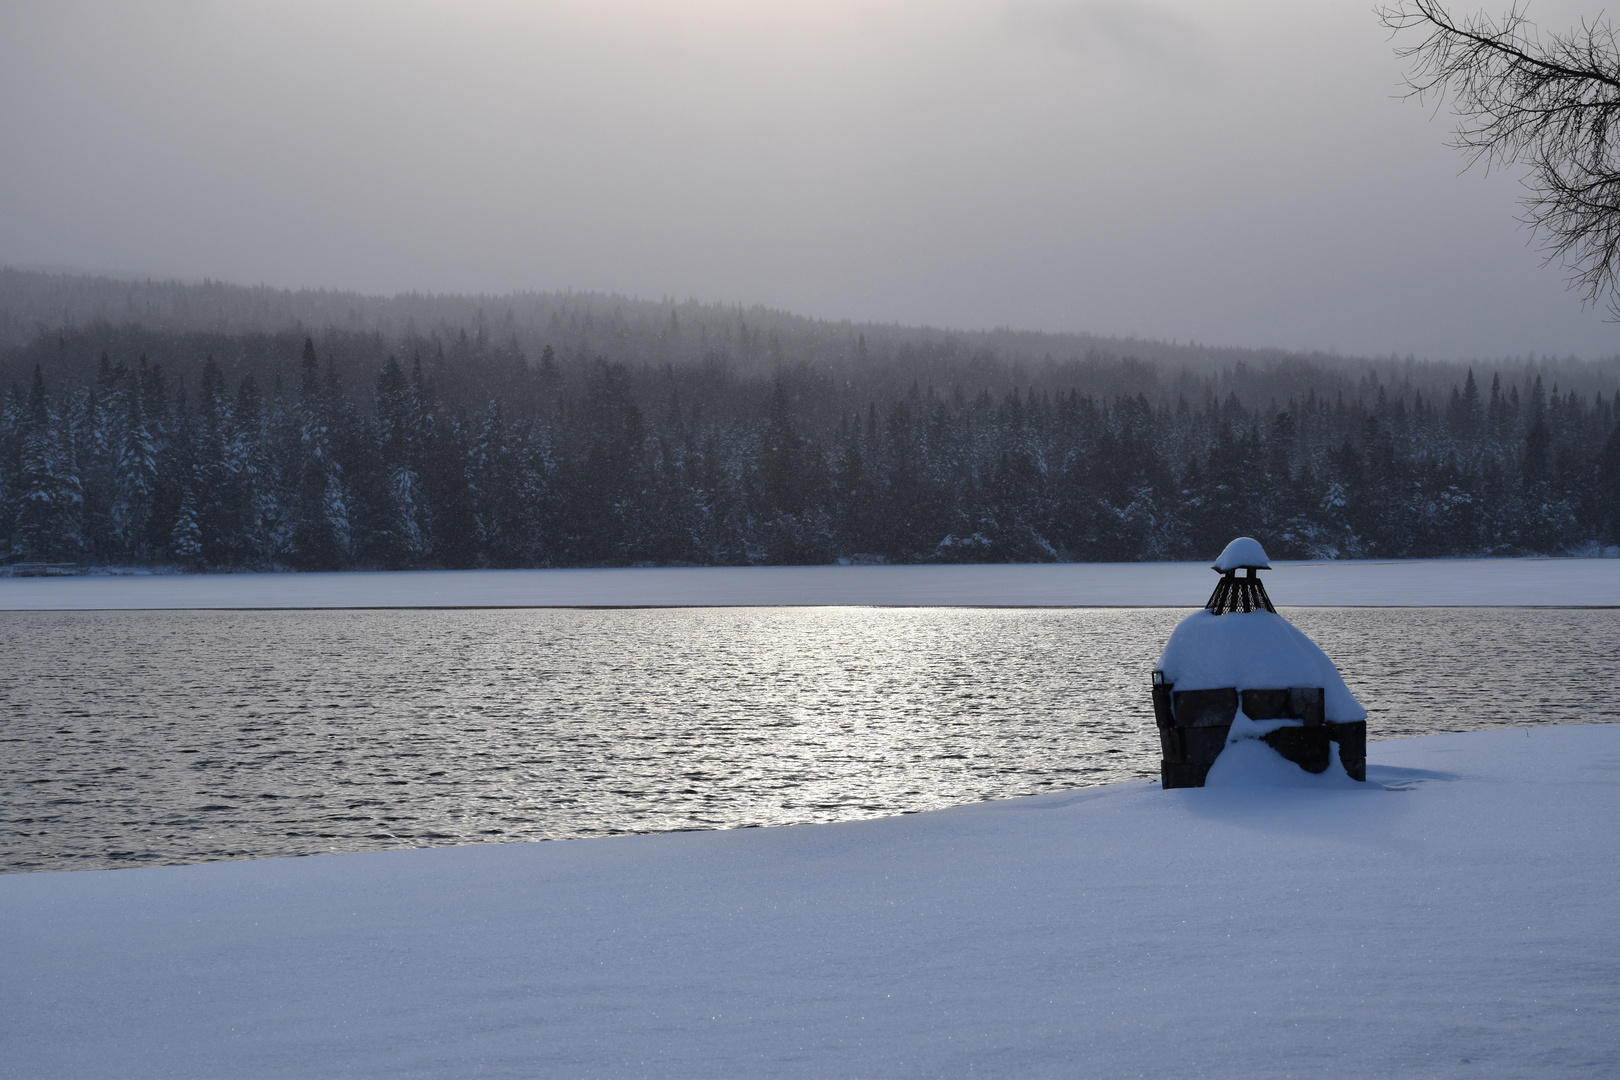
pixel 1233 593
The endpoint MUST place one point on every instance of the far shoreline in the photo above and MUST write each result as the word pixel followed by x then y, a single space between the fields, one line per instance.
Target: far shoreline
pixel 1536 581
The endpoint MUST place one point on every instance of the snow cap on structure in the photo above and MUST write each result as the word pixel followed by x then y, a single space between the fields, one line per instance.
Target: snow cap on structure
pixel 1255 650
pixel 1244 553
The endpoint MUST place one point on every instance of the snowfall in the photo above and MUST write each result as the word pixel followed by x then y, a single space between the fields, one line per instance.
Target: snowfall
pixel 1454 916
pixel 1575 582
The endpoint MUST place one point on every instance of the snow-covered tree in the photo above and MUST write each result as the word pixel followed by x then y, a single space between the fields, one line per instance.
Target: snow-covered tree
pixel 50 500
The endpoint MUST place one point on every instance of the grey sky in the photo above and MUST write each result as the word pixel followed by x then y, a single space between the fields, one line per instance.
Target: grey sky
pixel 1234 172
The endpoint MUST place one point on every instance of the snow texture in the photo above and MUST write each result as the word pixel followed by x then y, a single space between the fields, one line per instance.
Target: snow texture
pixel 1419 583
pixel 1241 553
pixel 1452 917
pixel 1251 651
pixel 1249 763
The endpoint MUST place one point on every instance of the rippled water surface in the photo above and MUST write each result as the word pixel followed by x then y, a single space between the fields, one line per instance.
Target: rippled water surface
pixel 131 738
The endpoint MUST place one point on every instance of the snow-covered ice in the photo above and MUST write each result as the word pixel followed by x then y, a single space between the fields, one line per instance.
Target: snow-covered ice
pixel 1456 916
pixel 1417 583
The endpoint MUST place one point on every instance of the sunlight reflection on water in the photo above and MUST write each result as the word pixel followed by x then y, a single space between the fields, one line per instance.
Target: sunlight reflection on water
pixel 166 737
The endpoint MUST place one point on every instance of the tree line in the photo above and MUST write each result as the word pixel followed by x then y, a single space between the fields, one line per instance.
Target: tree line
pixel 469 454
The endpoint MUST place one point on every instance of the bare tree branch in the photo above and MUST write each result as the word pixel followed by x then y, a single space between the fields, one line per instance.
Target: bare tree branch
pixel 1550 103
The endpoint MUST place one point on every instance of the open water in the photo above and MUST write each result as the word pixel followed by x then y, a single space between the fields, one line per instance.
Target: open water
pixel 152 737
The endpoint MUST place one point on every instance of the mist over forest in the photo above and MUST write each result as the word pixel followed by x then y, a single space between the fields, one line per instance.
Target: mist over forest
pixel 218 426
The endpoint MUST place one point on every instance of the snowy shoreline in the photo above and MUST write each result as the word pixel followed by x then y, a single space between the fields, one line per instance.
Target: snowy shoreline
pixel 1453 917
pixel 1583 582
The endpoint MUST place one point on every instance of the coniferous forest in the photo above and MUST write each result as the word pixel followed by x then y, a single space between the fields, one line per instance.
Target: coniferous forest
pixel 592 437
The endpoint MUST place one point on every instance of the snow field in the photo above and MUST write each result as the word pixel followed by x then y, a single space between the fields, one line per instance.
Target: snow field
pixel 1417 583
pixel 1454 917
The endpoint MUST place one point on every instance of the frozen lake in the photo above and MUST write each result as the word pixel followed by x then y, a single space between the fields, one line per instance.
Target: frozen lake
pixel 1587 582
pixel 151 737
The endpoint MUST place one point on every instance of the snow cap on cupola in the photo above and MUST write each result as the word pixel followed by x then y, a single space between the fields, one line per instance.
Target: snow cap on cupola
pixel 1244 553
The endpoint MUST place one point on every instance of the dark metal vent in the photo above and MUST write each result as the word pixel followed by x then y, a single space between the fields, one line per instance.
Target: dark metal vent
pixel 1233 593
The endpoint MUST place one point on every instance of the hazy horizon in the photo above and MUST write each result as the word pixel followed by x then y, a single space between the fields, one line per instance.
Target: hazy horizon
pixel 1124 169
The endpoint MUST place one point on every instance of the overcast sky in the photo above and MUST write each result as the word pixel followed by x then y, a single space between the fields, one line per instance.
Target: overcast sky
pixel 1238 172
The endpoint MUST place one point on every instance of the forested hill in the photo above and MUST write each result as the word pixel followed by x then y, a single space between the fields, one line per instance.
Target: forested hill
pixel 576 431
pixel 631 331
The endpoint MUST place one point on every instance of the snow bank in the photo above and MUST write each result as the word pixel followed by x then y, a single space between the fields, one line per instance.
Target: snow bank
pixel 1455 917
pixel 1253 650
pixel 1439 583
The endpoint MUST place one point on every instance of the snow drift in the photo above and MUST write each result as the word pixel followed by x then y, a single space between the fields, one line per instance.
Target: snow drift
pixel 1453 917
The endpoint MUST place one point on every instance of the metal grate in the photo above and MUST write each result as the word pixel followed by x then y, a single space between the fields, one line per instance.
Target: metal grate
pixel 1233 593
